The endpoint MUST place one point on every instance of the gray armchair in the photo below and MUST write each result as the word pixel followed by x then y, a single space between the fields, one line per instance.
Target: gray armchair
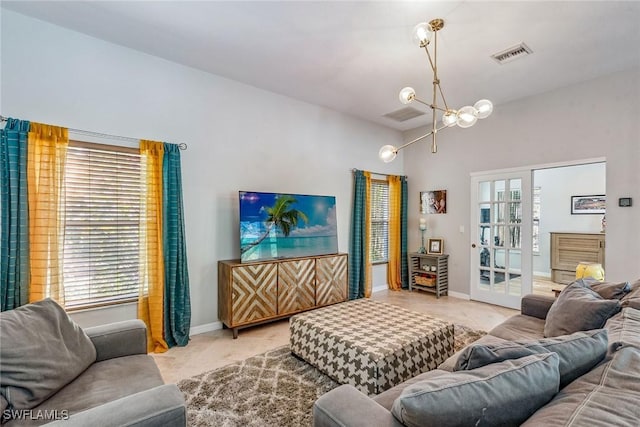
pixel 121 387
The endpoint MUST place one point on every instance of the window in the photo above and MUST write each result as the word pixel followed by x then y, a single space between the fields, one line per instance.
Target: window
pixel 379 248
pixel 101 232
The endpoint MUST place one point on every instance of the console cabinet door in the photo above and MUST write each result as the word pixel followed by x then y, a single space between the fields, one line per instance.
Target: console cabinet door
pixel 255 289
pixel 296 285
pixel 331 279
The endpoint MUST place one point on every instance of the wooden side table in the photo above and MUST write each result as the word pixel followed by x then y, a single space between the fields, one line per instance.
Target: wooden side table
pixel 429 273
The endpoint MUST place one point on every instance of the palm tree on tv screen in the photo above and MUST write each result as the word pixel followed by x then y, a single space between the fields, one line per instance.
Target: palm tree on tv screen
pixel 281 216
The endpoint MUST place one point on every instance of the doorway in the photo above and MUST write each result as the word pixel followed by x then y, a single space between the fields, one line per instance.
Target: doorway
pixel 554 188
pixel 513 214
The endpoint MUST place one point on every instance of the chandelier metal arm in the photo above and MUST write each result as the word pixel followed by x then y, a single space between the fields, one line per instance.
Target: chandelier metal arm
pixel 420 138
pixel 434 69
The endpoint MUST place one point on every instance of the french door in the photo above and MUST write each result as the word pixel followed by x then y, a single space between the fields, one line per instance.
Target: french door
pixel 501 237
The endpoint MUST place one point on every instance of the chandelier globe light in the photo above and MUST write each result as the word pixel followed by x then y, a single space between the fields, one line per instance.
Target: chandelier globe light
pixel 465 117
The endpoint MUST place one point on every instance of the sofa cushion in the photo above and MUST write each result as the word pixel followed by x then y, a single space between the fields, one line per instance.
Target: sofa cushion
pixel 632 303
pixel 632 299
pixel 578 353
pixel 624 329
pixel 607 395
pixel 101 383
pixel 519 327
pixel 578 308
pixel 42 350
pixel 504 393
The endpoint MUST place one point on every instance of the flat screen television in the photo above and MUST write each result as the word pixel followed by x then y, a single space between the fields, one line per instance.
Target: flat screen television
pixel 278 225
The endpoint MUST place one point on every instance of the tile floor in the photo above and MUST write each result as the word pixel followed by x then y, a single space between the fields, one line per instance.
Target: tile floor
pixel 215 349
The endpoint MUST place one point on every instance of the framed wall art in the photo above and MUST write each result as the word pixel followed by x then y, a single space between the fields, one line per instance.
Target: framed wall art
pixel 433 202
pixel 581 205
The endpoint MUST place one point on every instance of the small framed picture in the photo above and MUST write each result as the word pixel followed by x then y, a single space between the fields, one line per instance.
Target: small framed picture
pixel 435 247
pixel 581 205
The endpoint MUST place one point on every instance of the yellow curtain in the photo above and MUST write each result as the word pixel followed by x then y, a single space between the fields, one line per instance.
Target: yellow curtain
pixel 46 157
pixel 367 236
pixel 394 277
pixel 151 297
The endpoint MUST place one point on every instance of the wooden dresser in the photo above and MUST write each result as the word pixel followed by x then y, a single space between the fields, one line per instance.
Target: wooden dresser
pixel 257 292
pixel 569 249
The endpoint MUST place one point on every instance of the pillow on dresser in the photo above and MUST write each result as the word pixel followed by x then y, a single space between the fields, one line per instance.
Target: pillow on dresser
pixel 578 308
pixel 578 353
pixel 500 394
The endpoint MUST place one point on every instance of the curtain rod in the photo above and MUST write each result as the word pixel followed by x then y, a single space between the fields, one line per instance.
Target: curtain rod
pixel 378 173
pixel 181 145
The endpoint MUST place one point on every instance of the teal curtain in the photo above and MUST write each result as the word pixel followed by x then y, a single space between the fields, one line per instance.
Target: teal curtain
pixel 177 304
pixel 404 266
pixel 14 234
pixel 357 242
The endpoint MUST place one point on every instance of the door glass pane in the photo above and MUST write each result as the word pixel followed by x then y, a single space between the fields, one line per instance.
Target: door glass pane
pixel 485 258
pixel 485 280
pixel 515 261
pixel 498 235
pixel 515 212
pixel 515 239
pixel 498 213
pixel 500 259
pixel 485 216
pixel 483 235
pixel 484 191
pixel 515 188
pixel 499 190
pixel 515 284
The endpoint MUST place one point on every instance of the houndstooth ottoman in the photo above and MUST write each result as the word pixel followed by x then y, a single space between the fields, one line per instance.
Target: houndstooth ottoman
pixel 370 344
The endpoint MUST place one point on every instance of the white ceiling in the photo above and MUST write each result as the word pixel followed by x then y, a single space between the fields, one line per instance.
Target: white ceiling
pixel 354 57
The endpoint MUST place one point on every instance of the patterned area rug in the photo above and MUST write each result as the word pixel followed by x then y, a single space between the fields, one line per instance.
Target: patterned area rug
pixel 270 389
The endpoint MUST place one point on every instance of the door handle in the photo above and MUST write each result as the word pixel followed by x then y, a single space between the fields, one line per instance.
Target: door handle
pixel 473 245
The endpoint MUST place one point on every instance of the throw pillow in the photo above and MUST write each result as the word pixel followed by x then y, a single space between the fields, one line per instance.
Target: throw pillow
pixel 632 302
pixel 634 294
pixel 578 353
pixel 504 394
pixel 578 308
pixel 42 351
pixel 608 290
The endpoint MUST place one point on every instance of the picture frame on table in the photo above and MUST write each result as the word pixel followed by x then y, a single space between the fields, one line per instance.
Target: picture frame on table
pixel 435 247
pixel 588 205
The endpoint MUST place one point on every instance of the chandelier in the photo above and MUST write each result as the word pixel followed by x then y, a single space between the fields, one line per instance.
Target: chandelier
pixel 464 117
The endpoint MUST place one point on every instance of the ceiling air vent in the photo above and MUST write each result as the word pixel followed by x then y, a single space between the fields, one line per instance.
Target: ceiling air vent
pixel 404 114
pixel 511 54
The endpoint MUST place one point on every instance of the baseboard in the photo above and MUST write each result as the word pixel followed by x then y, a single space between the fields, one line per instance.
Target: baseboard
pixel 458 295
pixel 379 288
pixel 545 274
pixel 207 327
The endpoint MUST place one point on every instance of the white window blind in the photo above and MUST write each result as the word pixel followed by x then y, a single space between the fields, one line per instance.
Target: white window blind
pixel 101 235
pixel 379 248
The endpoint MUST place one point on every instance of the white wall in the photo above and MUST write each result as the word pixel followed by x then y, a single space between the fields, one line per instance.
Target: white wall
pixel 557 185
pixel 239 137
pixel 594 119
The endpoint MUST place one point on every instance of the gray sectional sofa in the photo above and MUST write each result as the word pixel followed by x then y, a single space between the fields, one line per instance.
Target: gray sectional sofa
pixel 52 372
pixel 570 361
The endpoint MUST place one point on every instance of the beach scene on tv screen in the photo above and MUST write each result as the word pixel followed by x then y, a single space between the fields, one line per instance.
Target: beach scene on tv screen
pixel 275 225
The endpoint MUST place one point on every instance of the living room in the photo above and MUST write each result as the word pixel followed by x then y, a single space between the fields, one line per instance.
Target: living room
pixel 243 137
